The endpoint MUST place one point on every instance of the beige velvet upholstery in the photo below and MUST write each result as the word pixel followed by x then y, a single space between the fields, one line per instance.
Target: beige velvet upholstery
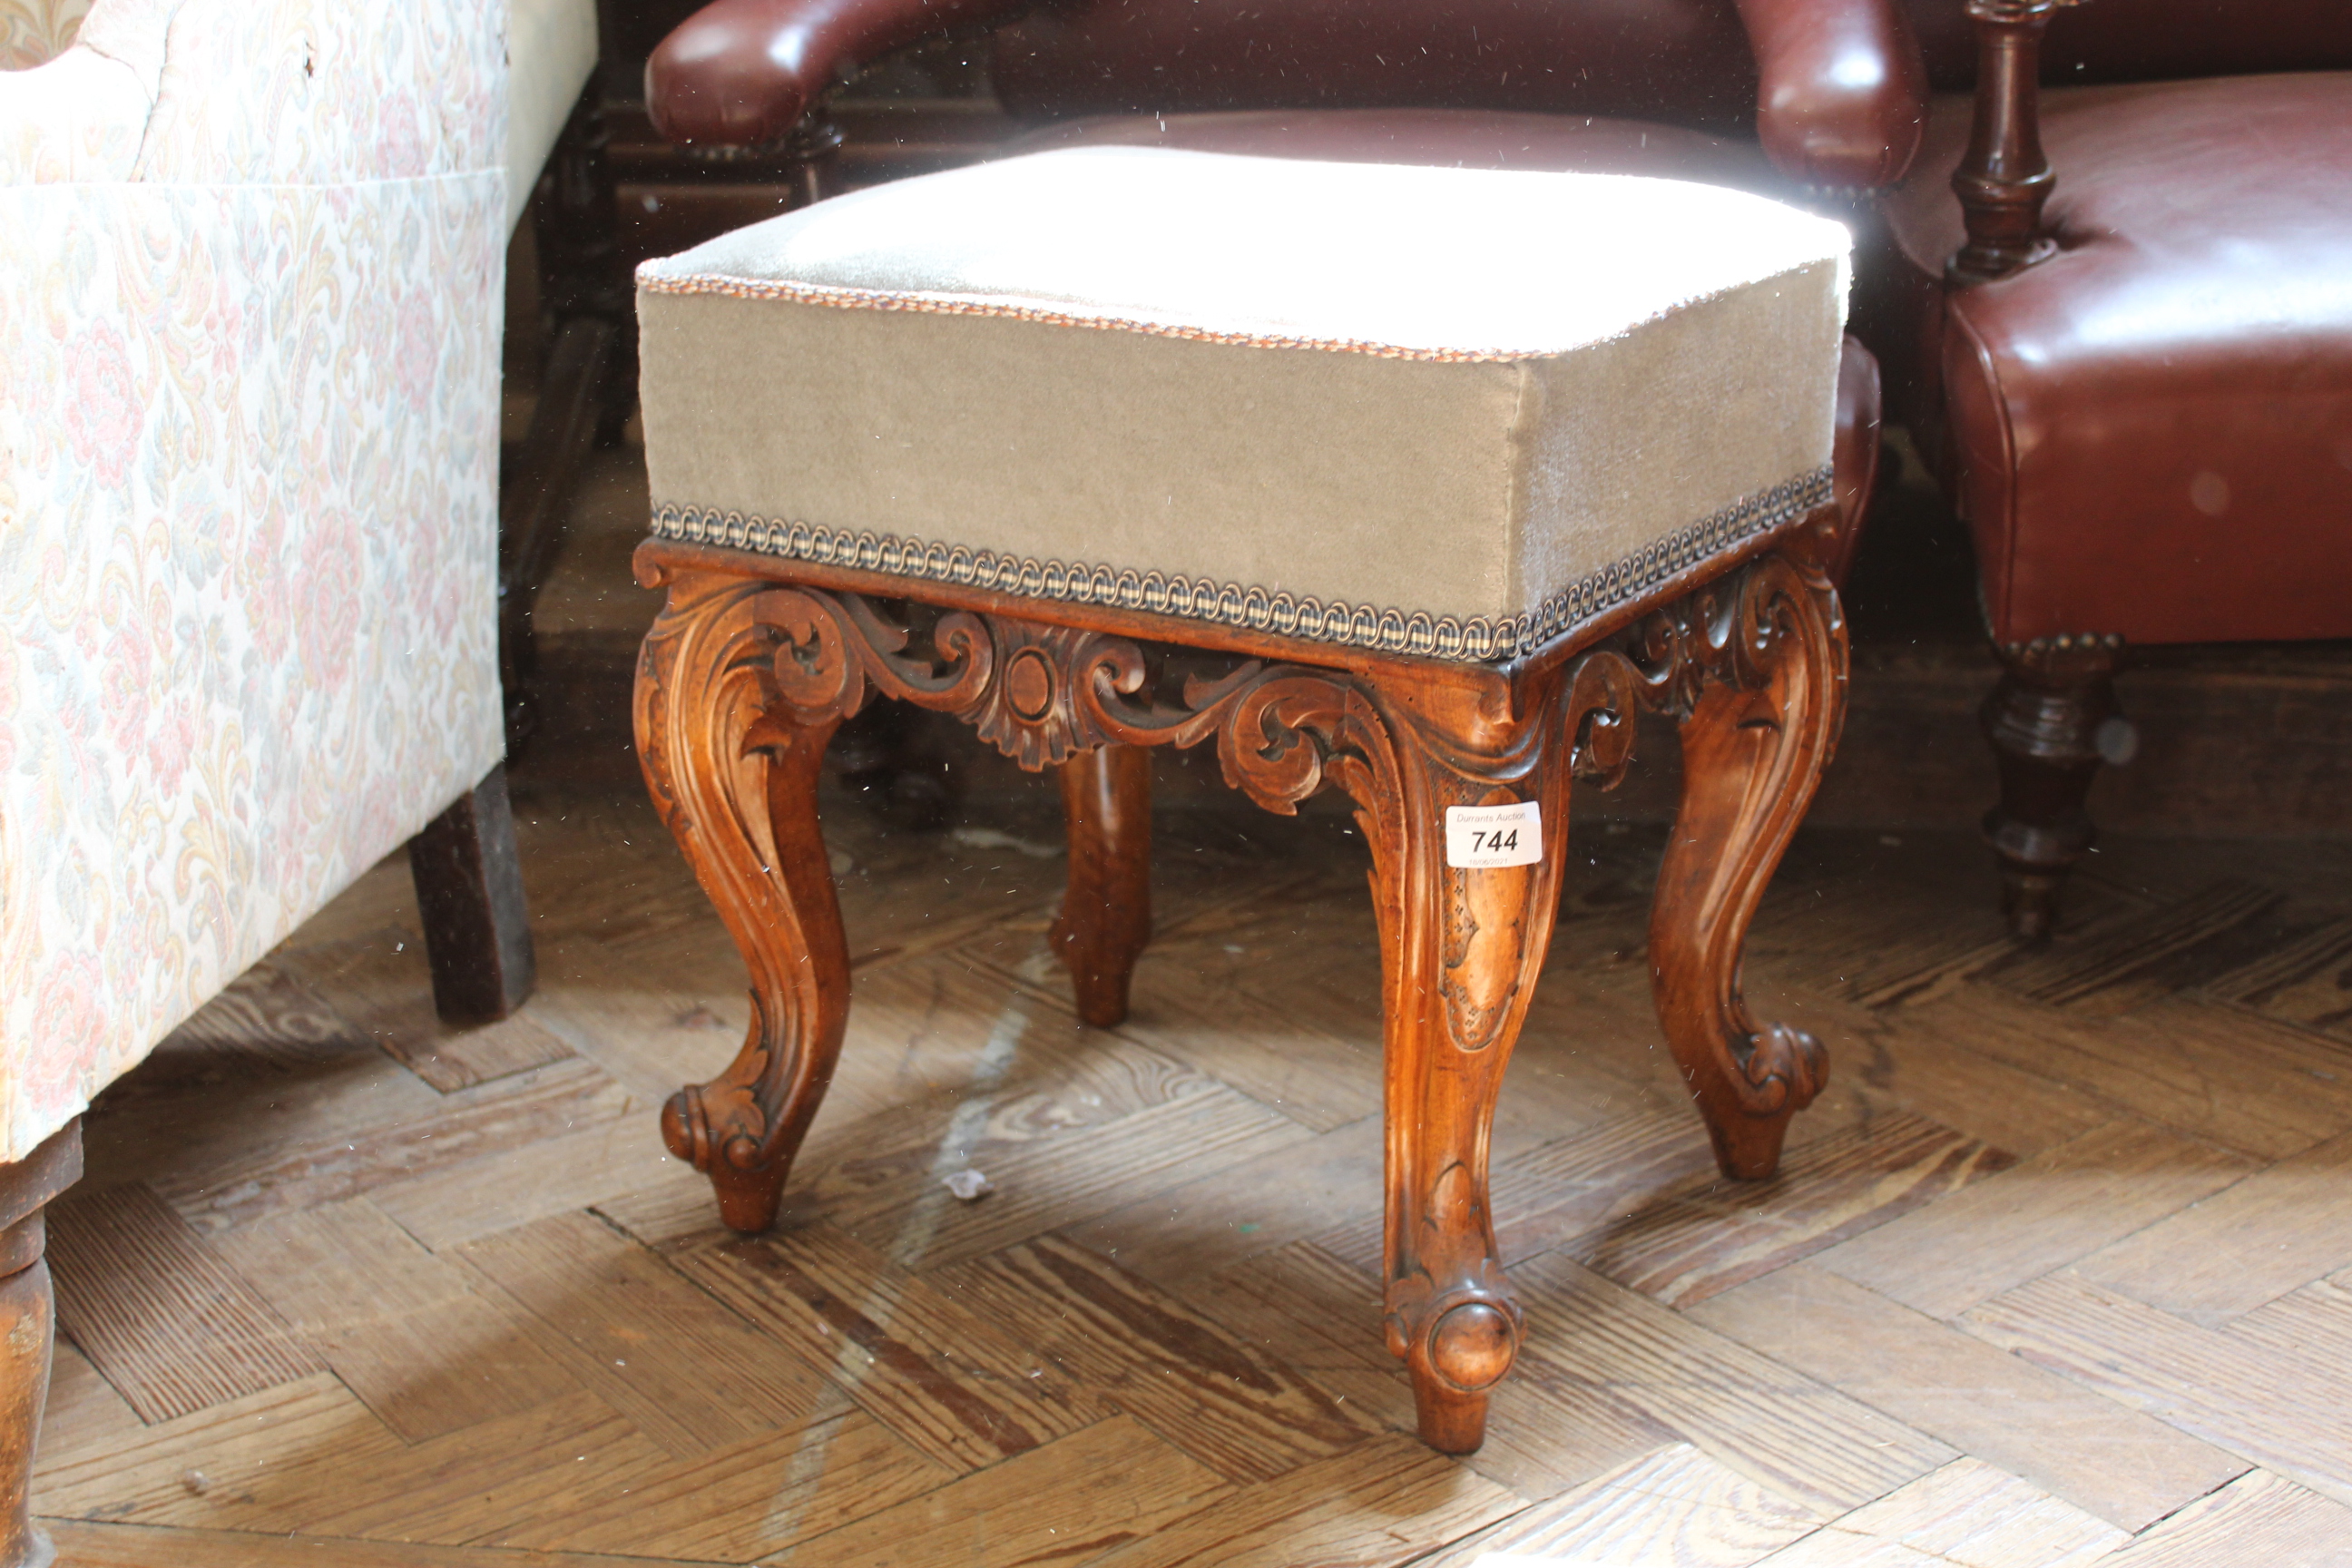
pixel 552 51
pixel 1442 411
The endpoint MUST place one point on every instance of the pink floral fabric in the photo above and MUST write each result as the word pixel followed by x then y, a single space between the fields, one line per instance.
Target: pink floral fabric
pixel 251 258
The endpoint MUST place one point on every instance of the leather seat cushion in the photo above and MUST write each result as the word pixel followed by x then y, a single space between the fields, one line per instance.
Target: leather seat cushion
pixel 2154 427
pixel 551 53
pixel 1443 411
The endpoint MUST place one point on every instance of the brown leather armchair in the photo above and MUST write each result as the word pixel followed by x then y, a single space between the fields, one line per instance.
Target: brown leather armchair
pixel 1819 99
pixel 2135 380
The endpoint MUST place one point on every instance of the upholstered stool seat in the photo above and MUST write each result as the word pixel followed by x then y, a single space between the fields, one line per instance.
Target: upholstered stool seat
pixel 1438 476
pixel 1426 410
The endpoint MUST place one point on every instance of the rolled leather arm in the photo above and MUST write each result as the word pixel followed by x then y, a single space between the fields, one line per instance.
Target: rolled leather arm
pixel 741 73
pixel 1843 98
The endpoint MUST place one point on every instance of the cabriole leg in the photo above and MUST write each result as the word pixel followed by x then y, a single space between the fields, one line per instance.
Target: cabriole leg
pixel 739 688
pixel 1106 917
pixel 1754 744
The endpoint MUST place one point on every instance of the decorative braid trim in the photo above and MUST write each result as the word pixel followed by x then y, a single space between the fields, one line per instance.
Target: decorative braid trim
pixel 1475 640
pixel 851 299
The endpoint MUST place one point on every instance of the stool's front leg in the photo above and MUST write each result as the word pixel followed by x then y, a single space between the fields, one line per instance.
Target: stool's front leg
pixel 739 688
pixel 1754 744
pixel 1106 917
pixel 1460 950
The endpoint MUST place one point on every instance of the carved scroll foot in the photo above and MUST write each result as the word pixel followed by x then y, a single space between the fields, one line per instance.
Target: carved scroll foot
pixel 1105 917
pixel 1460 952
pixel 738 689
pixel 1755 739
pixel 2052 721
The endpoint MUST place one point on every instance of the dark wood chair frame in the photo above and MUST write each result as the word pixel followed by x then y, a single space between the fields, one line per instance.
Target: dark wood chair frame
pixel 2054 718
pixel 755 661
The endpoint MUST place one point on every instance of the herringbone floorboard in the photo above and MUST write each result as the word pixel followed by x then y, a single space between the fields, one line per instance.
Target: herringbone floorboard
pixel 2058 1271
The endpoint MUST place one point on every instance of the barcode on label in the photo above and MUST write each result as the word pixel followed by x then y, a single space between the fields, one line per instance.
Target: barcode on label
pixel 1479 836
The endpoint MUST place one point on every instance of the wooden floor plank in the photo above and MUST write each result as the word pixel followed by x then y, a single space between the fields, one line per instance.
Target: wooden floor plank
pixel 932 1370
pixel 2256 1521
pixel 2292 1417
pixel 85 1545
pixel 394 1144
pixel 83 1409
pixel 2123 963
pixel 502 1188
pixel 2124 1467
pixel 1246 1415
pixel 733 1504
pixel 2298 982
pixel 1074 1499
pixel 1675 1506
pixel 172 1326
pixel 2249 1242
pixel 686 1372
pixel 2209 1072
pixel 381 983
pixel 2040 1214
pixel 1966 1515
pixel 1803 1440
pixel 1384 1502
pixel 1706 1239
pixel 408 1332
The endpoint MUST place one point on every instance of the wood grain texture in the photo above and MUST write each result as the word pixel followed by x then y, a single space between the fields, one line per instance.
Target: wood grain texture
pixel 172 1326
pixel 1246 1415
pixel 1798 1437
pixel 1674 1506
pixel 86 1545
pixel 2296 1419
pixel 2258 1518
pixel 408 1332
pixel 1965 1512
pixel 688 1373
pixel 931 1370
pixel 2124 1467
pixel 381 983
pixel 2245 1245
pixel 1684 1248
pixel 2040 1214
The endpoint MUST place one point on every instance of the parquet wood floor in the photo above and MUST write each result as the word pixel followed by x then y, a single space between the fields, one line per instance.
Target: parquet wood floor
pixel 2059 1271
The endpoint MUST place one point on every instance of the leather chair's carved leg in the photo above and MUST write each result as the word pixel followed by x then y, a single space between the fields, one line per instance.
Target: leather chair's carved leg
pixel 27 1334
pixel 1105 917
pixel 2052 721
pixel 739 688
pixel 1753 743
pixel 1460 950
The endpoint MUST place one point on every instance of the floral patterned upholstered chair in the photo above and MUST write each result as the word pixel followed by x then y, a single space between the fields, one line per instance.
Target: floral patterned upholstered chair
pixel 251 291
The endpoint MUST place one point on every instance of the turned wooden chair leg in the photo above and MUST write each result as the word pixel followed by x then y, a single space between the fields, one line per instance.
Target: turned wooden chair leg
pixel 1105 917
pixel 1754 744
pixel 470 896
pixel 27 1334
pixel 738 689
pixel 2052 721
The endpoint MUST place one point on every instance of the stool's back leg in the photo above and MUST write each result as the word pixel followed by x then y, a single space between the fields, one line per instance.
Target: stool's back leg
pixel 1754 745
pixel 737 691
pixel 1106 917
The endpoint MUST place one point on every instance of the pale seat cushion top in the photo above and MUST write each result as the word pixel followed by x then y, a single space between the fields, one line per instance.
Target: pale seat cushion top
pixel 552 53
pixel 1439 411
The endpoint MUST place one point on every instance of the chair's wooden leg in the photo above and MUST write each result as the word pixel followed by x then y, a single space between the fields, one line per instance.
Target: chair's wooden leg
pixel 738 689
pixel 1106 917
pixel 1460 950
pixel 470 896
pixel 27 1334
pixel 1753 743
pixel 2052 721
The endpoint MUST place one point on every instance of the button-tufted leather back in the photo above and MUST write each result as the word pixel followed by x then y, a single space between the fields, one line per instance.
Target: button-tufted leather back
pixel 1686 61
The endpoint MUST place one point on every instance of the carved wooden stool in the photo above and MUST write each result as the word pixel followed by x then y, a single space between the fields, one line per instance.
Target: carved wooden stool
pixel 1427 479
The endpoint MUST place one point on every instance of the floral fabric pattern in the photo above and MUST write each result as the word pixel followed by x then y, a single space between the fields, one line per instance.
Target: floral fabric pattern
pixel 248 472
pixel 35 32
